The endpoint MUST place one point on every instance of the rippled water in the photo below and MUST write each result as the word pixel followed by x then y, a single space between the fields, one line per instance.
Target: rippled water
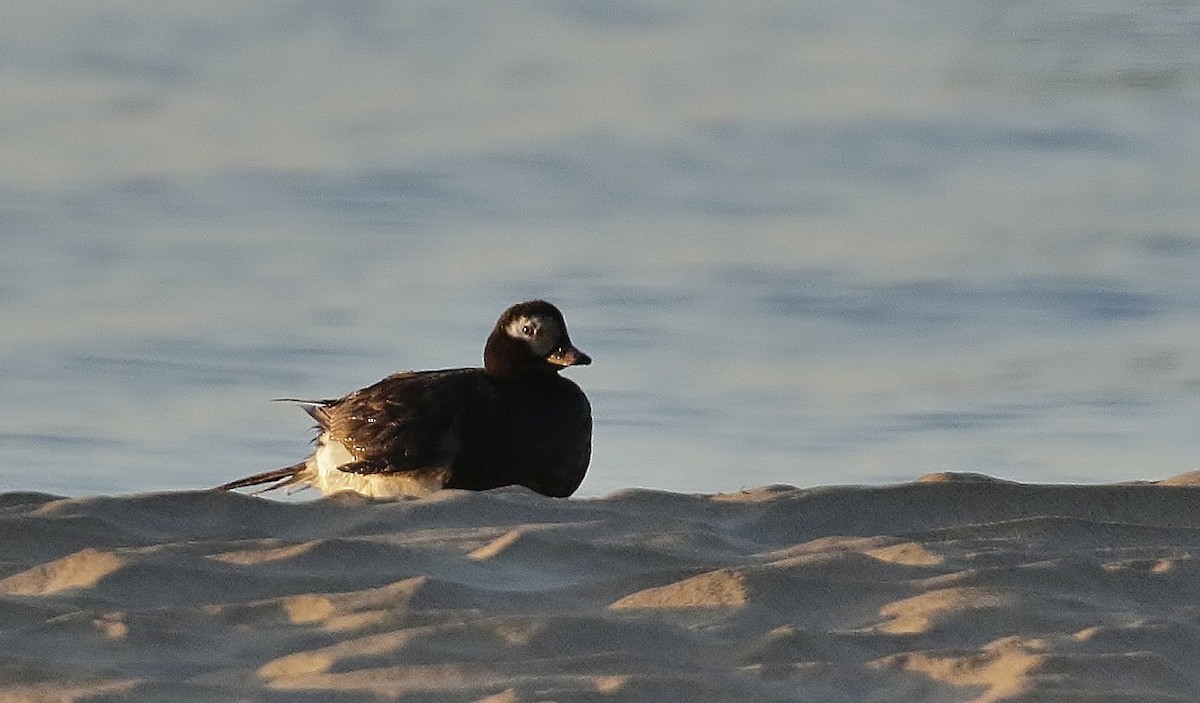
pixel 804 244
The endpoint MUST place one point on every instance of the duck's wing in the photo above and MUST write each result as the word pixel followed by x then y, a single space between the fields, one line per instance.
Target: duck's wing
pixel 408 422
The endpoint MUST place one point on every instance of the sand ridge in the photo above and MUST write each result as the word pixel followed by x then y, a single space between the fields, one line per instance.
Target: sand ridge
pixel 951 588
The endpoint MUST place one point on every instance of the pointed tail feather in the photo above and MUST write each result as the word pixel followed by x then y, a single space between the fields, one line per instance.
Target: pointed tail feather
pixel 277 477
pixel 316 409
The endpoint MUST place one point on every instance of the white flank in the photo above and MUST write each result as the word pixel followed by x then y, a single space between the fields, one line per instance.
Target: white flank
pixel 322 472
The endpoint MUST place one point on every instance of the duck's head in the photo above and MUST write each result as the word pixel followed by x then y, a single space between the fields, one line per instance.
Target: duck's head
pixel 530 338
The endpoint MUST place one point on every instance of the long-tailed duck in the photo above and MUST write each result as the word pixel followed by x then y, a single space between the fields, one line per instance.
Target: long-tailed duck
pixel 514 421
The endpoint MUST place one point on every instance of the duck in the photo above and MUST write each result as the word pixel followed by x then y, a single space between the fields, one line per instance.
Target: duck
pixel 515 421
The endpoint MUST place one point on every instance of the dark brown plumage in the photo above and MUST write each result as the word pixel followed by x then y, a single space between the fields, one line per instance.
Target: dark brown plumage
pixel 515 421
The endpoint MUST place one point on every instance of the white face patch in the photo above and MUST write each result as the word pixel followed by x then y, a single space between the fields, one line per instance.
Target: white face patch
pixel 541 333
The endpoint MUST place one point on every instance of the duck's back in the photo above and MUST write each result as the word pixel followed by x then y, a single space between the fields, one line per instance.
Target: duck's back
pixel 459 428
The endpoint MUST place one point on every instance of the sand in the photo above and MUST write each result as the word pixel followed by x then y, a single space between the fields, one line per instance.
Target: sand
pixel 951 588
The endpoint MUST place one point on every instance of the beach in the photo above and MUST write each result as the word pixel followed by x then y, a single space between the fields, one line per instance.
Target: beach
pixel 953 587
pixel 816 250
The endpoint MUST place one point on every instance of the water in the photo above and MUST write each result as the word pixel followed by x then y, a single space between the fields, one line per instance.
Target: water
pixel 804 244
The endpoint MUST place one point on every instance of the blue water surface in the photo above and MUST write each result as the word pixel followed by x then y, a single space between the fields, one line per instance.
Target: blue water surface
pixel 804 244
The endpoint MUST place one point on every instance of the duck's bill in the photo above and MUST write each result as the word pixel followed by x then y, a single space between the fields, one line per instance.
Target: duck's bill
pixel 568 356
